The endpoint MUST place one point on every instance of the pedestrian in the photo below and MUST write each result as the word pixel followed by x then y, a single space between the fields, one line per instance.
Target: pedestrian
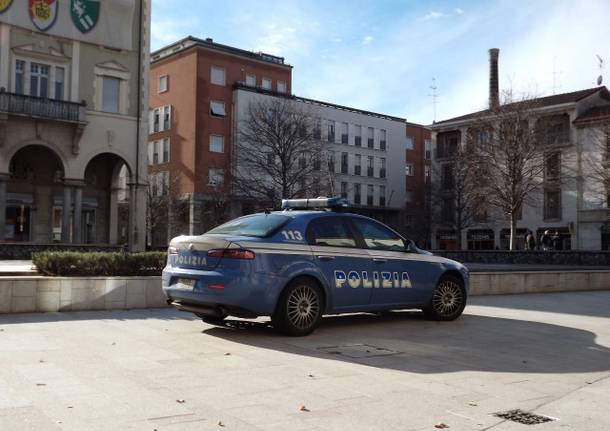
pixel 545 241
pixel 530 241
pixel 557 242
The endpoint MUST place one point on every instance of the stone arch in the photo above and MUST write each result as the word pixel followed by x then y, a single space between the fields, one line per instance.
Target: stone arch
pixel 34 189
pixel 106 199
pixel 10 154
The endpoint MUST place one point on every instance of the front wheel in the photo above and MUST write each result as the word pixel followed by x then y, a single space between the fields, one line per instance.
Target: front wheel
pixel 448 299
pixel 299 308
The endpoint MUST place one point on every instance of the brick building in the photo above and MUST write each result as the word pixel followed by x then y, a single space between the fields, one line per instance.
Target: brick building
pixel 191 120
pixel 417 176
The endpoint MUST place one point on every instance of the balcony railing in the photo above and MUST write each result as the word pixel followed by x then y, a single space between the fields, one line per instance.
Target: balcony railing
pixel 37 107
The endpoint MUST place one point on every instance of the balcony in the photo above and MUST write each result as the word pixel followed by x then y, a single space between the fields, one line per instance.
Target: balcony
pixel 47 109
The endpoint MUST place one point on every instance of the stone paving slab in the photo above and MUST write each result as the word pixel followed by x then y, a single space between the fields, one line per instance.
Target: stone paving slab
pixel 165 370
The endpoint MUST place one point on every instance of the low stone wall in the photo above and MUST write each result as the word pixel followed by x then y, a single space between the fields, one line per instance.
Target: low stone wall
pixel 30 294
pixel 45 294
pixel 574 257
pixel 503 283
pixel 21 251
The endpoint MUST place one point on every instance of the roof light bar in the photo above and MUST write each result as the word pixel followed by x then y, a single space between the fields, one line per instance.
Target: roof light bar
pixel 334 203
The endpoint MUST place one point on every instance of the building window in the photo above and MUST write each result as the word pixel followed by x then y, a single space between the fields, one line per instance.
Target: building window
pixel 217 109
pixel 19 76
pixel 251 80
pixel 151 151
pixel 428 148
pixel 317 164
pixel 409 197
pixel 344 133
pixel 357 189
pixel 382 170
pixel 480 239
pixel 165 150
pixel 281 86
pixel 59 83
pixel 344 189
pixel 370 190
pixel 317 130
pixel 110 94
pixel 552 204
pixel 39 80
pixel 552 166
pixel 331 131
pixel 427 172
pixel 382 142
pixel 217 76
pixel 216 177
pixel 156 150
pixel 410 145
pixel 447 177
pixel 163 81
pixel 167 117
pixel 156 120
pixel 358 165
pixel 370 163
pixel 217 144
pixel 344 163
pixel 358 135
pixel 381 196
pixel 447 210
pixel 331 162
pixel 409 169
pixel 371 137
pixel 447 144
pixel 266 84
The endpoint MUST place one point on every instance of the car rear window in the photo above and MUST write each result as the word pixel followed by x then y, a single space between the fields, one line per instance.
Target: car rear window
pixel 259 225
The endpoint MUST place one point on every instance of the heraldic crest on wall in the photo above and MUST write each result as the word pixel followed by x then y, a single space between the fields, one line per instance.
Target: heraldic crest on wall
pixel 85 14
pixel 43 13
pixel 5 4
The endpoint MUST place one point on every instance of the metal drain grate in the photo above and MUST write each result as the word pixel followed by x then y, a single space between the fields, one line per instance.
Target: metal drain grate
pixel 522 417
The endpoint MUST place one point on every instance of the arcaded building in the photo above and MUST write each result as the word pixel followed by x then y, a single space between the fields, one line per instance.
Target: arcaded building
pixel 73 121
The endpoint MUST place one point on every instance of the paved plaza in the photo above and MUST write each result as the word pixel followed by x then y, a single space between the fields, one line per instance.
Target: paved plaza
pixel 165 370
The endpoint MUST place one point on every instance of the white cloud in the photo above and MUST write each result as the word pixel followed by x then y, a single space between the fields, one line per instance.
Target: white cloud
pixel 434 15
pixel 367 40
pixel 459 11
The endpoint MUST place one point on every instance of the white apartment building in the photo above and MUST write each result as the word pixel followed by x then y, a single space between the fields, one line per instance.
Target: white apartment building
pixel 570 201
pixel 366 151
pixel 73 121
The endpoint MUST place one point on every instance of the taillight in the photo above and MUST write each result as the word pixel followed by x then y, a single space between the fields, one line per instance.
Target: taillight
pixel 172 250
pixel 231 253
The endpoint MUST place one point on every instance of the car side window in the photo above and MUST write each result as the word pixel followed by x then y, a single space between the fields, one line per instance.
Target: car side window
pixel 330 232
pixel 378 237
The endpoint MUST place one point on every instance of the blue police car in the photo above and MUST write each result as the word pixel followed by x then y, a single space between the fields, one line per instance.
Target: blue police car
pixel 310 259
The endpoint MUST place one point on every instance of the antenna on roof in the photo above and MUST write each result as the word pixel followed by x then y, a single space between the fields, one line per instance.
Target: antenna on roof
pixel 556 76
pixel 600 78
pixel 434 96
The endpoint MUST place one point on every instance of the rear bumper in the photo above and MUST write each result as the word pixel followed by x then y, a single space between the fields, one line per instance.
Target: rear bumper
pixel 245 295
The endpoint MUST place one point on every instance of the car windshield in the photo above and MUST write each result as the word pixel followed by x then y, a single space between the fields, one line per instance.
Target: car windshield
pixel 259 225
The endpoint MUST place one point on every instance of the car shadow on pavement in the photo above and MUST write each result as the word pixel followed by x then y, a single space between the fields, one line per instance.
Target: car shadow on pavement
pixel 405 341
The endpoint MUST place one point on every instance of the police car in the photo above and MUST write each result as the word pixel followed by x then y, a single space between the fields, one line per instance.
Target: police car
pixel 311 258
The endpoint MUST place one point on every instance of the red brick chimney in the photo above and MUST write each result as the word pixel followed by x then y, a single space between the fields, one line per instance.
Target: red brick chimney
pixel 494 91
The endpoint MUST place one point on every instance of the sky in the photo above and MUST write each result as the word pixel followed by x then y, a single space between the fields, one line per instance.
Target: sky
pixel 383 55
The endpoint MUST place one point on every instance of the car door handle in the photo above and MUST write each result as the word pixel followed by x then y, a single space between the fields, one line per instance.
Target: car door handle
pixel 325 257
pixel 379 260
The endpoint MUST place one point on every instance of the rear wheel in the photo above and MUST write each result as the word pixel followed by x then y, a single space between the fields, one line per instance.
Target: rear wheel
pixel 448 299
pixel 299 308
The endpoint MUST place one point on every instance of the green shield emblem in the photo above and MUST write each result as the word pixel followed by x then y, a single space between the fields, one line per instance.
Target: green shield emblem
pixel 85 14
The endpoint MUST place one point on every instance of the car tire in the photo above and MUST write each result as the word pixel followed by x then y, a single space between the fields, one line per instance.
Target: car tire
pixel 299 309
pixel 448 299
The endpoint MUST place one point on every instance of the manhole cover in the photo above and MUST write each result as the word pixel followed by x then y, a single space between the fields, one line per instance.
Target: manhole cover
pixel 358 351
pixel 522 417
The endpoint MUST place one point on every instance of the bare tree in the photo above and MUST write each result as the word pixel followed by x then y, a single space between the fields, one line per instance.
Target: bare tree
pixel 165 210
pixel 512 153
pixel 596 164
pixel 456 195
pixel 277 155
